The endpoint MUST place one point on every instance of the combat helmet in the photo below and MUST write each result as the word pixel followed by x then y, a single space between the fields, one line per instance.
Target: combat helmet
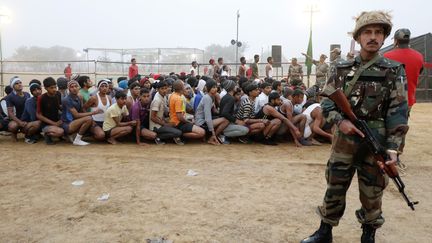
pixel 373 17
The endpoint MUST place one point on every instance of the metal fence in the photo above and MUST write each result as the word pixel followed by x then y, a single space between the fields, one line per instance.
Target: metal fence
pixel 28 70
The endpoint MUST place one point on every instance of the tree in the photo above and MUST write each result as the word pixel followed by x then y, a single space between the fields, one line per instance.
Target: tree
pixel 227 52
pixel 35 53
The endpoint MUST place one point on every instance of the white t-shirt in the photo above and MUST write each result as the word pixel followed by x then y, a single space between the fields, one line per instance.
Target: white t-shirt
pixel 260 101
pixel 194 70
pixel 222 93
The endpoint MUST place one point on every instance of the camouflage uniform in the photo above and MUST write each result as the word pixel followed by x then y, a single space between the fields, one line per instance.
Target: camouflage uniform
pixel 255 71
pixel 378 97
pixel 321 73
pixel 295 73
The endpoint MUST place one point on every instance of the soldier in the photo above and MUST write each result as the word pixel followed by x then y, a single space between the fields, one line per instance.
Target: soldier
pixel 375 87
pixel 295 73
pixel 350 56
pixel 254 66
pixel 335 57
pixel 322 69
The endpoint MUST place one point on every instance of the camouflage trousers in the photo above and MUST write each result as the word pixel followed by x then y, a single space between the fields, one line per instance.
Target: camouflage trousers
pixel 349 155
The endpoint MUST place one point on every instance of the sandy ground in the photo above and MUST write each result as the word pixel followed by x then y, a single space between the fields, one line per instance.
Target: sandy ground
pixel 243 193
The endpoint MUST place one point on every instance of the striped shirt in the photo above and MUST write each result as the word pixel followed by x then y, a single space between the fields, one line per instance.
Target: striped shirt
pixel 246 109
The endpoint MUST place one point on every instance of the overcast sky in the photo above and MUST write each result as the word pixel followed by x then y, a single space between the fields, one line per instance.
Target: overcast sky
pixel 197 23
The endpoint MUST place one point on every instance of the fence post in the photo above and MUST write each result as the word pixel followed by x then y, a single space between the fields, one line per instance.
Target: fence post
pixel 95 70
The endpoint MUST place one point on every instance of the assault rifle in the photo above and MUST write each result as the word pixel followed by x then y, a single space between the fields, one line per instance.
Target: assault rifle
pixel 379 152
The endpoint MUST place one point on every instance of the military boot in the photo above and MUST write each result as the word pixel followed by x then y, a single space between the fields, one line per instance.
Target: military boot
pixel 322 235
pixel 368 235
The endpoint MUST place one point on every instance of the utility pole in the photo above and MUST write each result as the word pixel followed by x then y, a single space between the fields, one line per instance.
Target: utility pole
pixel 237 46
pixel 313 9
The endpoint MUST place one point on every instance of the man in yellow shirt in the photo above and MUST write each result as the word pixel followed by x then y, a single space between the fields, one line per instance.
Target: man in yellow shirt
pixel 113 125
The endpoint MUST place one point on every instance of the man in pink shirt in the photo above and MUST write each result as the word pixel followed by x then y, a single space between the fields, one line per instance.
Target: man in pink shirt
pixel 133 69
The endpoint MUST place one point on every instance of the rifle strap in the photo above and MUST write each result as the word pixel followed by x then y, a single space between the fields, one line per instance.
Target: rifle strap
pixel 350 84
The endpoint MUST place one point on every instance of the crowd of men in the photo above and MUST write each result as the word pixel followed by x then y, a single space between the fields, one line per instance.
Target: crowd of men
pixel 215 107
pixel 220 108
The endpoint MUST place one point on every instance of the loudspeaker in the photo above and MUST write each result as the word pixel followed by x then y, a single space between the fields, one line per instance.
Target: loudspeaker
pixel 277 55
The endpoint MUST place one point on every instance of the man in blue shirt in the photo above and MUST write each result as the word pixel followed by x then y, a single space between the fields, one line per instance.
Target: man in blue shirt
pixel 74 120
pixel 15 107
pixel 29 114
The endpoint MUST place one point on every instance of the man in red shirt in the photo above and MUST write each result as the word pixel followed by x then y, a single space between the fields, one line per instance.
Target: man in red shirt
pixel 68 72
pixel 133 69
pixel 413 62
pixel 411 58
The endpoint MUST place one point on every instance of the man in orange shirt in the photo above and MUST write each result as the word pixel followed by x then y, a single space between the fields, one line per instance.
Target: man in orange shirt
pixel 133 69
pixel 68 72
pixel 177 110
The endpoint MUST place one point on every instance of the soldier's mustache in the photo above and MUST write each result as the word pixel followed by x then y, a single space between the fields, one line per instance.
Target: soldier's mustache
pixel 372 42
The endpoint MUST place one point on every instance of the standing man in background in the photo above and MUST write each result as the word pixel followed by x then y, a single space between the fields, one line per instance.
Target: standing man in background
pixel 254 67
pixel 133 69
pixel 413 62
pixel 322 69
pixel 295 73
pixel 242 68
pixel 193 70
pixel 68 72
pixel 269 68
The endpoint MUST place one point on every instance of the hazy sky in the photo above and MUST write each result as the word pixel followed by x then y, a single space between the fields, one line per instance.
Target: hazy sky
pixel 197 23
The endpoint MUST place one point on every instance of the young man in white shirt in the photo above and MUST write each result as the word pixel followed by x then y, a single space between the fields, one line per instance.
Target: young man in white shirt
pixel 262 99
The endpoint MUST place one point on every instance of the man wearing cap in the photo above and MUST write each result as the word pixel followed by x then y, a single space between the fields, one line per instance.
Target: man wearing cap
pixel 350 56
pixel 322 69
pixel 15 102
pixel 295 73
pixel 335 57
pixel 411 58
pixel 375 87
pixel 413 62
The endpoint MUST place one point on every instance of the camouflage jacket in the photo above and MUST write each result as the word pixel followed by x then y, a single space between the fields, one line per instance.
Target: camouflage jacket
pixel 295 71
pixel 379 95
pixel 321 69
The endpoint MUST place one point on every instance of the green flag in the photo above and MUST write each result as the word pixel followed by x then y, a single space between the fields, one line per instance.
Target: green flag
pixel 309 52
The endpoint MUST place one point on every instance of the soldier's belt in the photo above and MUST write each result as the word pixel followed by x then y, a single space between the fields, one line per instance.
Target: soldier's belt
pixel 376 124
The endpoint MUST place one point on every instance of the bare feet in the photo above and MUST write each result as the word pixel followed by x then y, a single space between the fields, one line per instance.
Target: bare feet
pixel 112 141
pixel 297 143
pixel 213 140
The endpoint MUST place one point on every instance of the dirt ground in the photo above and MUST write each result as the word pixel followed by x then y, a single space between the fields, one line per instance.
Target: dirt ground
pixel 243 193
